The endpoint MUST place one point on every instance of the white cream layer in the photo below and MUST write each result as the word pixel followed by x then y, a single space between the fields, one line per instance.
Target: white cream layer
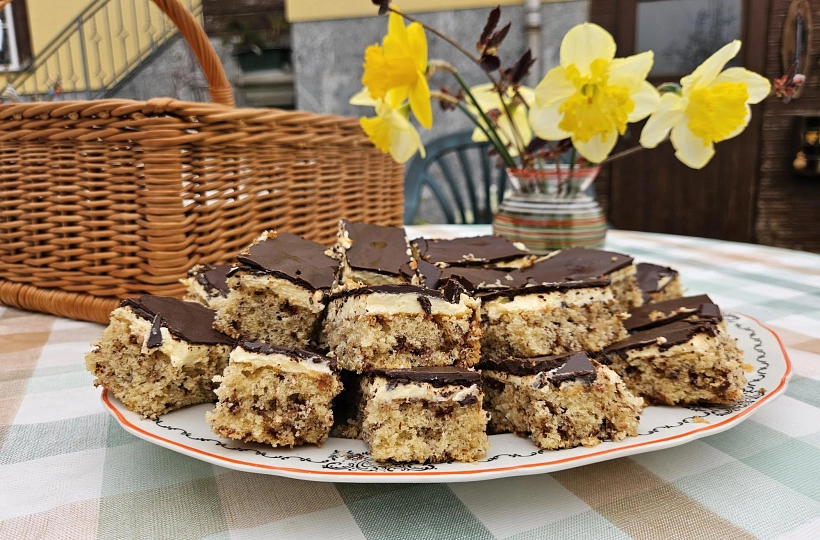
pixel 295 294
pixel 198 293
pixel 699 343
pixel 622 273
pixel 394 304
pixel 290 364
pixel 181 353
pixel 421 391
pixel 545 301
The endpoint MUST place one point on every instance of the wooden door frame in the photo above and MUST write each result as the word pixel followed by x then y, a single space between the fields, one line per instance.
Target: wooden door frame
pixel 619 18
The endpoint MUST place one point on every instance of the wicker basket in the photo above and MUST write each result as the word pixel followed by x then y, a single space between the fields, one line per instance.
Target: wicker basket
pixel 101 200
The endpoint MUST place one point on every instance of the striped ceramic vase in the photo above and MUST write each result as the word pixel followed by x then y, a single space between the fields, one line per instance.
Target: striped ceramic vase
pixel 551 210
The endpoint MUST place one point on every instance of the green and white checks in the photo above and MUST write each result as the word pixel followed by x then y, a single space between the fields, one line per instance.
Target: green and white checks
pixel 67 470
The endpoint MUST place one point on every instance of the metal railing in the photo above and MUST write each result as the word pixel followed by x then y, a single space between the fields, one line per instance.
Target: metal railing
pixel 104 44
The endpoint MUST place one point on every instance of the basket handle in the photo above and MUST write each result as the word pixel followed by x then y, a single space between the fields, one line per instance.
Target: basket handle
pixel 218 85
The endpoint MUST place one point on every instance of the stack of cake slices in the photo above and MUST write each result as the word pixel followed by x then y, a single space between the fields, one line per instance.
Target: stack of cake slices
pixel 405 351
pixel 542 322
pixel 419 348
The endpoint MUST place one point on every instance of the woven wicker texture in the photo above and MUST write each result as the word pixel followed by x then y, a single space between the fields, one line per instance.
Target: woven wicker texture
pixel 101 200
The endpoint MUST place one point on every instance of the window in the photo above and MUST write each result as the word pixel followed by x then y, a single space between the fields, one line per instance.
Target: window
pixel 684 34
pixel 9 57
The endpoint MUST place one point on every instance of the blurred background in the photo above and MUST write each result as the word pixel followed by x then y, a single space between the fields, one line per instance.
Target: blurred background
pixel 763 186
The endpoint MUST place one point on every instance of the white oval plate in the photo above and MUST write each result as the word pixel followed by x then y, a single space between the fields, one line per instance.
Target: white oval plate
pixel 342 460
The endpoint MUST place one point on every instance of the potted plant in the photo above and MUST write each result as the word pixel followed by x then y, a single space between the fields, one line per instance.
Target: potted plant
pixel 552 139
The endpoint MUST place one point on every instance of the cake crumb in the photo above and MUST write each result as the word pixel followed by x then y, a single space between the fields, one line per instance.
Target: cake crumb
pixel 699 420
pixel 656 315
pixel 661 340
pixel 747 367
pixel 762 391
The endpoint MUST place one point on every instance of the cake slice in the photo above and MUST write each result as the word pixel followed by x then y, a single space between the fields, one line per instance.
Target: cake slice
pixel 277 291
pixel 559 401
pixel 658 283
pixel 679 355
pixel 425 415
pixel 535 312
pixel 159 354
pixel 275 395
pixel 402 326
pixel 583 263
pixel 487 251
pixel 371 254
pixel 207 285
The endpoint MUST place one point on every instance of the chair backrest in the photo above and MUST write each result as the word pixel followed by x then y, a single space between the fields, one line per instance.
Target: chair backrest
pixel 464 180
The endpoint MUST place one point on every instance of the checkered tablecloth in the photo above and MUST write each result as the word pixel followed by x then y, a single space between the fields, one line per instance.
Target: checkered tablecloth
pixel 67 470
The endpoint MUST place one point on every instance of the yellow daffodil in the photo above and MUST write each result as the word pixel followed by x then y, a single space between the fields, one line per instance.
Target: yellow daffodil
pixel 713 106
pixel 390 130
pixel 400 64
pixel 488 99
pixel 591 96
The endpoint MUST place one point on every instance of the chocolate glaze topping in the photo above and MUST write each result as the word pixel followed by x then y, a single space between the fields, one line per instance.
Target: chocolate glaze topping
pixel 189 321
pixel 155 334
pixel 293 258
pixel 213 277
pixel 567 366
pixel 376 248
pixel 664 337
pixel 579 263
pixel 429 273
pixel 267 348
pixel 492 283
pixel 667 311
pixel 650 275
pixel 467 251
pixel 435 376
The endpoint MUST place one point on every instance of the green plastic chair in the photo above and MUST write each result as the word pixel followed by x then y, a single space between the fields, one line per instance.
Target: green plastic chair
pixel 464 192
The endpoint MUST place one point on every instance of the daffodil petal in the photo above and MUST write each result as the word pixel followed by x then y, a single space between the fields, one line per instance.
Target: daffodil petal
pixel 689 149
pixel 583 44
pixel 706 73
pixel 396 35
pixel 669 113
pixel 629 72
pixel 478 135
pixel 527 94
pixel 646 99
pixel 739 129
pixel 417 42
pixel 520 121
pixel 405 143
pixel 420 103
pixel 555 86
pixel 362 97
pixel 758 86
pixel 544 122
pixel 598 147
pixel 377 131
pixel 486 96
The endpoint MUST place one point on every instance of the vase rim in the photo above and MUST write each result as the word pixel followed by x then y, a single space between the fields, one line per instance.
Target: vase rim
pixel 532 172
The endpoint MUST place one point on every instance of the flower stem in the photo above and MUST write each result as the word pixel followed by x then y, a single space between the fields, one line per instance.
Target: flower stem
pixel 627 152
pixel 489 130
